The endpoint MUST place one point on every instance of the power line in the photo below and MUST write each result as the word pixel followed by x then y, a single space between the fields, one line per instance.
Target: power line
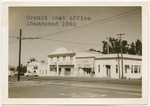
pixel 13 37
pixel 13 42
pixel 60 41
pixel 82 26
pixel 94 23
pixel 71 42
pixel 24 37
pixel 77 42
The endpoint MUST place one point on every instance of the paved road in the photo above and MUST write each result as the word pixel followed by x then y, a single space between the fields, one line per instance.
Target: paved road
pixel 73 87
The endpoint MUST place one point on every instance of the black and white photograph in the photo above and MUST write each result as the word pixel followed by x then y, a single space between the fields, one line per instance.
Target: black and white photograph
pixel 73 52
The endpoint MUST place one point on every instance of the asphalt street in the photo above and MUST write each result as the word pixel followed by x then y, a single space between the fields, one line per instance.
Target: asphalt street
pixel 74 87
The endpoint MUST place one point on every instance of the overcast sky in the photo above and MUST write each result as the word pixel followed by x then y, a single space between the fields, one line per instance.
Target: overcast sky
pixel 129 23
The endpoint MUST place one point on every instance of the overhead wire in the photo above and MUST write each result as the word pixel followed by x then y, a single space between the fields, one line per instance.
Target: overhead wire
pixel 71 42
pixel 80 42
pixel 13 42
pixel 89 24
pixel 115 17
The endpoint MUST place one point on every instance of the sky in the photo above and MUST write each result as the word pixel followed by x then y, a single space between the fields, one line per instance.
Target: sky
pixel 94 32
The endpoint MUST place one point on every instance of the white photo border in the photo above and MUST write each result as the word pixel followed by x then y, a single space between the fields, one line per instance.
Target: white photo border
pixel 4 72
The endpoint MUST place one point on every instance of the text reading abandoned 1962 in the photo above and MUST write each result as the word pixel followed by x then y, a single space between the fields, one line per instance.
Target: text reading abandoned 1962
pixel 52 20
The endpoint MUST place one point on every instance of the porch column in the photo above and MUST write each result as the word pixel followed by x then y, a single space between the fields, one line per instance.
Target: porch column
pixel 48 71
pixel 57 69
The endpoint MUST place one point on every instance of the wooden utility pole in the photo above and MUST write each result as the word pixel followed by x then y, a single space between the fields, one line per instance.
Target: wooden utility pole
pixel 19 63
pixel 107 45
pixel 118 65
pixel 120 35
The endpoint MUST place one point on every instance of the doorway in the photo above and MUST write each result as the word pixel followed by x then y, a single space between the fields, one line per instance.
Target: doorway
pixel 108 70
pixel 59 71
pixel 67 71
pixel 87 70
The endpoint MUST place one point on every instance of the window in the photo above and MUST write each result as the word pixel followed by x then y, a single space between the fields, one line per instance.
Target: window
pixel 116 68
pixel 45 71
pixel 135 69
pixel 52 68
pixel 126 67
pixel 71 58
pixel 99 68
pixel 51 58
pixel 57 59
pixel 131 68
pixel 139 69
pixel 64 58
pixel 35 67
pixel 87 70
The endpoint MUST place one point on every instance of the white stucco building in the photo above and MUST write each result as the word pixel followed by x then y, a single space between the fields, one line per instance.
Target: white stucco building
pixel 64 62
pixel 72 63
pixel 37 68
pixel 61 62
pixel 109 65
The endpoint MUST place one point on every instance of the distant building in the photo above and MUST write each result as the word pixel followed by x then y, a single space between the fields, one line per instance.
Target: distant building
pixel 36 68
pixel 12 71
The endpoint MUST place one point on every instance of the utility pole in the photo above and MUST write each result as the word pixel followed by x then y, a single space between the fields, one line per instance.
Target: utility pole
pixel 107 45
pixel 120 35
pixel 118 64
pixel 19 63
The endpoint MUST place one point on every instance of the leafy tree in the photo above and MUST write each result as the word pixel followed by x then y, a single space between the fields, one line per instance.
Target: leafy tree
pixel 132 49
pixel 32 59
pixel 124 46
pixel 92 49
pixel 104 47
pixel 138 46
pixel 23 69
pixel 12 69
pixel 115 46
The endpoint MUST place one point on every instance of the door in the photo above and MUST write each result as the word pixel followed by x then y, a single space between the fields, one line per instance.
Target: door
pixel 67 71
pixel 59 71
pixel 108 71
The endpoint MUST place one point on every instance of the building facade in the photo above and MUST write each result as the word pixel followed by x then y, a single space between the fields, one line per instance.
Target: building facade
pixel 110 65
pixel 36 68
pixel 63 62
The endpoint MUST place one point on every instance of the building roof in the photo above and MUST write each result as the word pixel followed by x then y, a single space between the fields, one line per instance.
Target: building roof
pixel 91 54
pixel 61 52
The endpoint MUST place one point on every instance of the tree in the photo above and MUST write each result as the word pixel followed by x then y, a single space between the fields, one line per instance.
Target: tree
pixel 92 49
pixel 32 59
pixel 132 49
pixel 124 46
pixel 138 46
pixel 104 47
pixel 23 69
pixel 114 46
pixel 12 69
